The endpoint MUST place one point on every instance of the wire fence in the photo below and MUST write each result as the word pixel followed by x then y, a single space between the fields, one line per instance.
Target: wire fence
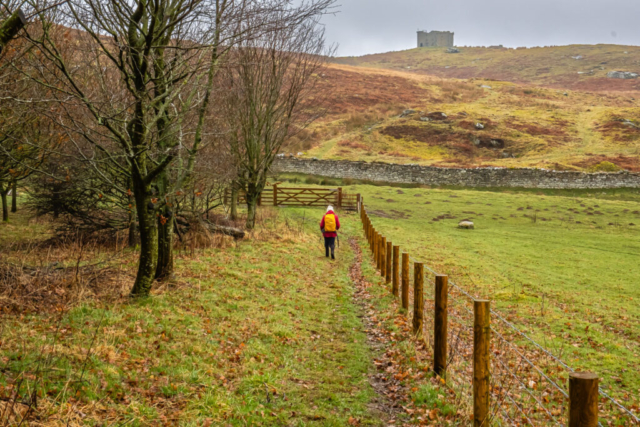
pixel 528 383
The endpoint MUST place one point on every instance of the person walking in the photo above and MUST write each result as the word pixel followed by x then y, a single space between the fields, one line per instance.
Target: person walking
pixel 330 225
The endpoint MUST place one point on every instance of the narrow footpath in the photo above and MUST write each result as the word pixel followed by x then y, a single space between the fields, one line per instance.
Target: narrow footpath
pixel 388 390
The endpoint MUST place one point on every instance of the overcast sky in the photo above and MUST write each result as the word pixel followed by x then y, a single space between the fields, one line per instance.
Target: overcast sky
pixel 374 26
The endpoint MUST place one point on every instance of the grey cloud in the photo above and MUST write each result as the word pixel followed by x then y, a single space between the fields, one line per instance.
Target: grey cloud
pixel 372 26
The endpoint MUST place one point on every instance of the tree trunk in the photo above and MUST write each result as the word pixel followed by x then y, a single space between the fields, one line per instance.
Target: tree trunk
pixel 148 239
pixel 5 206
pixel 252 205
pixel 14 197
pixel 133 236
pixel 164 268
pixel 234 202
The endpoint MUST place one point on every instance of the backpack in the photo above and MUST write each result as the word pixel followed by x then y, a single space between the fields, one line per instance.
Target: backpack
pixel 330 223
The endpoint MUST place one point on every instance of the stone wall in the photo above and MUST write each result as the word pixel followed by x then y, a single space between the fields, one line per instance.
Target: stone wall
pixel 479 177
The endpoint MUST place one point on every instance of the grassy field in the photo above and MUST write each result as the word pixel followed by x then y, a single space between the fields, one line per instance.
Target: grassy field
pixel 266 331
pixel 561 264
pixel 565 267
pixel 262 333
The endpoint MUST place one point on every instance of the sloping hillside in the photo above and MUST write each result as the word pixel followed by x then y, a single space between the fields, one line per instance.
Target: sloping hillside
pixel 557 66
pixel 485 123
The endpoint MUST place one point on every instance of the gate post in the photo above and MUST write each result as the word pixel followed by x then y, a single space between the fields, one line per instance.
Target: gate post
pixel 339 197
pixel 275 194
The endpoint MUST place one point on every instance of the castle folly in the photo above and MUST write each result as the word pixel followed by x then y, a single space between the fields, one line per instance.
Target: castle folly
pixel 435 38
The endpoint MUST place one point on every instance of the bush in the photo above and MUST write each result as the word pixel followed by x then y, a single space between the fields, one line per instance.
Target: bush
pixel 605 167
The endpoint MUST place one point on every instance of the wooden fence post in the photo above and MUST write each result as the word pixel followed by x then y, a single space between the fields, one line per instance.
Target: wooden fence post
pixel 481 362
pixel 339 197
pixel 418 298
pixel 440 326
pixel 367 232
pixel 383 257
pixel 583 399
pixel 405 280
pixel 226 196
pixel 275 194
pixel 396 272
pixel 387 278
pixel 260 199
pixel 375 246
pixel 358 203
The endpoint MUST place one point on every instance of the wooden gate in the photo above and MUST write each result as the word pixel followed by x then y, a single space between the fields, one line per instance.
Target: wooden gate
pixel 290 196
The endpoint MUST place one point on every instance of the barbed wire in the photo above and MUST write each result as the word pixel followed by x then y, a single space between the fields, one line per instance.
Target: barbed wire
pixel 515 348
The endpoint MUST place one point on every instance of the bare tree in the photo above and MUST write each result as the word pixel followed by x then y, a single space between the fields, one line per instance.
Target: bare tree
pixel 125 76
pixel 22 130
pixel 269 78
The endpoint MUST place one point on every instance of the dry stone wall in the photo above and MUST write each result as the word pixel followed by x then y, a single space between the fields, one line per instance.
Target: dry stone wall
pixel 478 177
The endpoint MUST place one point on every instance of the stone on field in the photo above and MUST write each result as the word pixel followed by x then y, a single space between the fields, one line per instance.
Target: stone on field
pixel 465 224
pixel 622 75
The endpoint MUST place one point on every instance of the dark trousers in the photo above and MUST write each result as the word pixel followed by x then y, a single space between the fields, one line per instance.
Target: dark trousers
pixel 330 243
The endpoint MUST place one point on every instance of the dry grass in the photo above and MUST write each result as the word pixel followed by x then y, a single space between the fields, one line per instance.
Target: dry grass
pixel 541 126
pixel 58 275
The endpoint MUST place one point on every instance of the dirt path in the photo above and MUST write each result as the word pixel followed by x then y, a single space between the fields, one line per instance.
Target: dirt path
pixel 387 405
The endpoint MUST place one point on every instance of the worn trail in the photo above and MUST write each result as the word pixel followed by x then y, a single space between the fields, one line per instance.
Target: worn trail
pixel 389 390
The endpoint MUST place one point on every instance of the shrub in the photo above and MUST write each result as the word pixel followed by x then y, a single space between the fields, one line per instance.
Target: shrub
pixel 605 167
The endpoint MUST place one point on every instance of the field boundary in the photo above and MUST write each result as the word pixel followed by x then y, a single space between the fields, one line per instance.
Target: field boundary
pixel 275 195
pixel 474 177
pixel 501 373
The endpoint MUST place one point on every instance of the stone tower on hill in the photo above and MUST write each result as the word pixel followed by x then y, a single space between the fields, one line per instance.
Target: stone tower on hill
pixel 435 38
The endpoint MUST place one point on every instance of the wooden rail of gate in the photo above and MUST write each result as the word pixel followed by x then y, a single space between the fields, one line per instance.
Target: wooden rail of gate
pixel 292 196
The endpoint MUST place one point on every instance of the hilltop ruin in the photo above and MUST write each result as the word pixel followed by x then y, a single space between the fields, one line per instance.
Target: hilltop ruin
pixel 435 39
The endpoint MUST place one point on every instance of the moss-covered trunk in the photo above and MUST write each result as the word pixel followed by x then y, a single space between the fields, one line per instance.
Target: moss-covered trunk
pixel 234 202
pixel 148 239
pixel 253 195
pixel 164 268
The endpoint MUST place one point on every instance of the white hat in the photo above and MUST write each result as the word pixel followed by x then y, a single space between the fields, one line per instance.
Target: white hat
pixel 330 208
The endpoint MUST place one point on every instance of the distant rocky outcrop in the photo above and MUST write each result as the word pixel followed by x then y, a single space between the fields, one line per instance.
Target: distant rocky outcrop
pixel 622 75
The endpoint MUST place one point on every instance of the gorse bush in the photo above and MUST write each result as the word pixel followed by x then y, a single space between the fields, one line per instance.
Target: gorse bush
pixel 605 167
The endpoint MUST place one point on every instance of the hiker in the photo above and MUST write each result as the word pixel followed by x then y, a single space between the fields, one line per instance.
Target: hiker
pixel 330 226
